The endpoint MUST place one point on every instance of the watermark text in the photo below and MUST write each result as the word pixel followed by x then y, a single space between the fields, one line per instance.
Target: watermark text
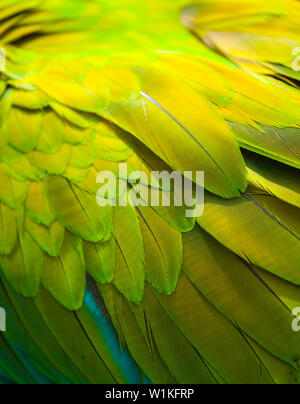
pixel 2 320
pixel 296 321
pixel 2 60
pixel 156 189
pixel 296 61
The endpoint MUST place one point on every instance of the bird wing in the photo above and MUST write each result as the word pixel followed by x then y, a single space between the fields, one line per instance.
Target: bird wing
pixel 138 293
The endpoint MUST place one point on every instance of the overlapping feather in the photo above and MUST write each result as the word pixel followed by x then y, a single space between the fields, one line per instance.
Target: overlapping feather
pixel 79 95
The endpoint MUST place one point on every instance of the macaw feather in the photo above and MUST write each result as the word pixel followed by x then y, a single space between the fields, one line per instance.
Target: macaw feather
pixel 129 274
pixel 50 239
pixel 100 260
pixel 143 294
pixel 261 31
pixel 275 178
pixel 244 224
pixel 228 270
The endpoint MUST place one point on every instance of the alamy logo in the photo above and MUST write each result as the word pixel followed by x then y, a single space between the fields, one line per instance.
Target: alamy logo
pixel 296 322
pixel 296 61
pixel 2 60
pixel 152 189
pixel 2 320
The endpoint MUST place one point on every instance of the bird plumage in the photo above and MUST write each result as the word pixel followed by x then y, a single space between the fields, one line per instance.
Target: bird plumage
pixel 146 294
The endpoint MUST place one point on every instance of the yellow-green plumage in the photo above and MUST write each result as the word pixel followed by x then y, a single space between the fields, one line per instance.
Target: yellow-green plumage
pixel 133 294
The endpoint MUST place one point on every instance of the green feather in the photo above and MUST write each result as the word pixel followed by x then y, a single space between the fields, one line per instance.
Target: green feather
pixel 129 274
pixel 100 260
pixel 8 229
pixel 254 232
pixel 78 210
pixel 163 265
pixel 229 285
pixel 88 85
pixel 64 277
pixel 23 266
